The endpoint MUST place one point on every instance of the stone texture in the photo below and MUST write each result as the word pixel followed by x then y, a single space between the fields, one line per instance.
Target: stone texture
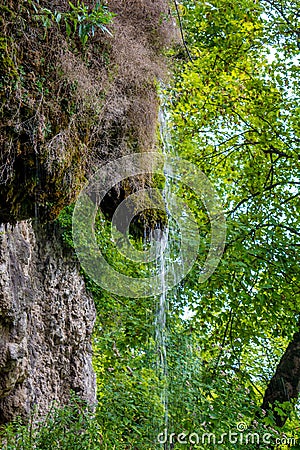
pixel 46 321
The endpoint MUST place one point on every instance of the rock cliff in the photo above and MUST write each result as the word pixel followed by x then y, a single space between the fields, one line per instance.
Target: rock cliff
pixel 46 321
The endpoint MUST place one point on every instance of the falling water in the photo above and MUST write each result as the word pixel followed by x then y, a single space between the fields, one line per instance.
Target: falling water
pixel 164 235
pixel 161 325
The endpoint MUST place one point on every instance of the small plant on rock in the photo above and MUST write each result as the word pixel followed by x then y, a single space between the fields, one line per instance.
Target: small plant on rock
pixel 81 19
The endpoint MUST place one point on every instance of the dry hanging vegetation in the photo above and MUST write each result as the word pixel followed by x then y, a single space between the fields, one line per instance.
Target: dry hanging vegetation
pixel 66 106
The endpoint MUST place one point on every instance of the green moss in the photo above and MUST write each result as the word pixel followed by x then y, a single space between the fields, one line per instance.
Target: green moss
pixel 7 65
pixel 56 118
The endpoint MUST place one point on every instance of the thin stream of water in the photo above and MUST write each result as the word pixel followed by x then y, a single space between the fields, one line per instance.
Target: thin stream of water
pixel 161 328
pixel 163 259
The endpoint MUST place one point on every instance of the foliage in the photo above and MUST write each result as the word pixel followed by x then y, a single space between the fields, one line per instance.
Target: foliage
pixel 80 19
pixel 64 221
pixel 72 426
pixel 235 116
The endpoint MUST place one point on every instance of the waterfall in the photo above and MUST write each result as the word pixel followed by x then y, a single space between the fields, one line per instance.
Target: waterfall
pixel 161 326
pixel 164 235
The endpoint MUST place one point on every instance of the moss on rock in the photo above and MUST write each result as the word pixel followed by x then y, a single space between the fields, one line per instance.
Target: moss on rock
pixel 66 108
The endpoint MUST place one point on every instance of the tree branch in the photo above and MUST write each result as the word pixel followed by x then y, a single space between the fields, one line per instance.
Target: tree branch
pixel 181 31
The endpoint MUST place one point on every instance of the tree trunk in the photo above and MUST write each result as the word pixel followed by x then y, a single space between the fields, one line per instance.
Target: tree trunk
pixel 285 384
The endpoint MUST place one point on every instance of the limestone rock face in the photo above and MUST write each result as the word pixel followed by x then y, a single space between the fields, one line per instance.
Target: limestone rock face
pixel 46 321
